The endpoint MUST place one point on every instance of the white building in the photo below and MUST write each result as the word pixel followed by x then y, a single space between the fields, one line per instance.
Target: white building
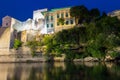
pixel 115 13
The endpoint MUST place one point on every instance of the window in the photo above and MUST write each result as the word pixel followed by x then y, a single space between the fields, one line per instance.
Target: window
pixel 62 15
pixel 67 22
pixel 47 18
pixel 66 14
pixel 71 21
pixel 51 17
pixel 51 24
pixel 6 24
pixel 47 25
pixel 58 16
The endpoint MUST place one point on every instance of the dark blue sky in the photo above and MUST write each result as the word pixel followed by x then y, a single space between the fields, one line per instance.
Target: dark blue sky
pixel 23 9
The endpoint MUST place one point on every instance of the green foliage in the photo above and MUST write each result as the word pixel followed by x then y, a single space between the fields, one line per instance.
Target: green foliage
pixel 71 36
pixel 17 44
pixel 33 45
pixel 61 21
pixel 70 55
pixel 94 13
pixel 82 14
pixel 112 41
pixel 114 54
pixel 98 35
pixel 103 35
pixel 79 12
pixel 48 42
pixel 33 53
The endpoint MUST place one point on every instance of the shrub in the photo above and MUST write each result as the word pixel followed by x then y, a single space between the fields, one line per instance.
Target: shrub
pixel 70 55
pixel 33 46
pixel 17 44
pixel 114 54
pixel 33 53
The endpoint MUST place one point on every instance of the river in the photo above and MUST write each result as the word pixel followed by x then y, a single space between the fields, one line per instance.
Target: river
pixel 60 71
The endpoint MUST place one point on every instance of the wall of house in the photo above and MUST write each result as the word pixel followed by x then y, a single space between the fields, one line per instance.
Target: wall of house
pixel 4 38
pixel 115 13
pixel 8 32
pixel 50 22
pixel 5 34
pixel 63 13
pixel 39 22
pixel 24 36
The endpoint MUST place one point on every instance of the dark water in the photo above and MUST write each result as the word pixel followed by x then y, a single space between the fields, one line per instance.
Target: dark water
pixel 60 71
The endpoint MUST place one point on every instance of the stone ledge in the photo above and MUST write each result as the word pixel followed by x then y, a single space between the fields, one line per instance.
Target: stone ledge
pixel 7 60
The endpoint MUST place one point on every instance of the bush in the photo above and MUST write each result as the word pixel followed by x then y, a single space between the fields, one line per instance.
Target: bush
pixel 70 55
pixel 114 54
pixel 17 44
pixel 33 46
pixel 33 53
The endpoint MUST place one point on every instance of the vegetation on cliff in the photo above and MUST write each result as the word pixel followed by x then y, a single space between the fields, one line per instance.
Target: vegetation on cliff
pixel 98 36
pixel 17 44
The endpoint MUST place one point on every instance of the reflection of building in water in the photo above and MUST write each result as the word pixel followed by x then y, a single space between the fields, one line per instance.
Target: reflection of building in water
pixel 22 71
pixel 6 70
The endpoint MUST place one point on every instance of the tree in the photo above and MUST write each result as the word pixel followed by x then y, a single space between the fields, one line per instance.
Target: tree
pixel 79 12
pixel 94 13
pixel 61 21
pixel 104 14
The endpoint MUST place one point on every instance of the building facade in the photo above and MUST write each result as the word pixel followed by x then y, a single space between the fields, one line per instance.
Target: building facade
pixel 7 33
pixel 115 13
pixel 44 22
pixel 53 16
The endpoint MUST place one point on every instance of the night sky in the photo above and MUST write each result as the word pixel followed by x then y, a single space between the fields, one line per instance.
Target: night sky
pixel 23 9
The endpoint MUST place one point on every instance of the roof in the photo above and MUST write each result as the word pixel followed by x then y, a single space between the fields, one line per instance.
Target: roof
pixel 60 8
pixel 56 9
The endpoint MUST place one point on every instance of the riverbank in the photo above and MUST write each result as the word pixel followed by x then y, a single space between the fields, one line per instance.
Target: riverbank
pixel 28 58
pixel 14 59
pixel 23 54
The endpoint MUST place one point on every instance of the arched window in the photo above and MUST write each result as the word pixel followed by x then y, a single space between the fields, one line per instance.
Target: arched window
pixel 67 22
pixel 62 15
pixel 47 25
pixel 71 21
pixel 51 17
pixel 58 16
pixel 66 14
pixel 51 24
pixel 47 18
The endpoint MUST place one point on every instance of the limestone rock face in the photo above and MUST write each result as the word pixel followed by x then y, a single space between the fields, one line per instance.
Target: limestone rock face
pixel 87 59
pixel 108 58
pixel 78 60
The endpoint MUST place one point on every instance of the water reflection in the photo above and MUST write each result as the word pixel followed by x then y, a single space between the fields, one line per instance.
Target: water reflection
pixel 60 71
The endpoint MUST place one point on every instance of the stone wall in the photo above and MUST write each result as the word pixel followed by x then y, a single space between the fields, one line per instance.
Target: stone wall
pixel 6 21
pixel 63 28
pixel 4 39
pixel 23 54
